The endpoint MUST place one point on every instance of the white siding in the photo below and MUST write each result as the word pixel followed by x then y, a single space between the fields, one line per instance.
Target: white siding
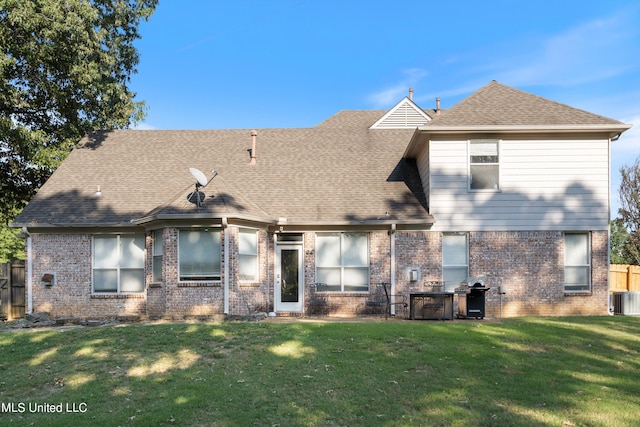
pixel 544 185
pixel 422 161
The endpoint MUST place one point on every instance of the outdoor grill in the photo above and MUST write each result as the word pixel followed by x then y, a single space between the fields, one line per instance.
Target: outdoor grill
pixel 471 298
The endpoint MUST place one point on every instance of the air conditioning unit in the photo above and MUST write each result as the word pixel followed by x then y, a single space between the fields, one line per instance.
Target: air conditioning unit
pixel 626 303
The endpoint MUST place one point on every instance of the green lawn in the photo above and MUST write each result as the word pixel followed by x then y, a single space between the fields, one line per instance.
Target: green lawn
pixel 518 372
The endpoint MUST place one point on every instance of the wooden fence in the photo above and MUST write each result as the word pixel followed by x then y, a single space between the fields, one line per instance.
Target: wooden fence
pixel 12 291
pixel 623 278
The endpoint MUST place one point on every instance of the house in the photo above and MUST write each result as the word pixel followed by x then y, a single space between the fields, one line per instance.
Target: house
pixel 505 184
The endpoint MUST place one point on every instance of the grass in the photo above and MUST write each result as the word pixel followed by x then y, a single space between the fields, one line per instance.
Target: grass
pixel 518 372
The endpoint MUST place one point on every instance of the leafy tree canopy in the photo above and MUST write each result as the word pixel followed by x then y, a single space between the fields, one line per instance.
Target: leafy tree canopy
pixel 629 211
pixel 618 243
pixel 65 67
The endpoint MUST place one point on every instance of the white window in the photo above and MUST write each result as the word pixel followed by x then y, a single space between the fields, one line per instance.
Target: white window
pixel 118 264
pixel 484 167
pixel 156 243
pixel 199 255
pixel 342 261
pixel 248 254
pixel 455 259
pixel 577 262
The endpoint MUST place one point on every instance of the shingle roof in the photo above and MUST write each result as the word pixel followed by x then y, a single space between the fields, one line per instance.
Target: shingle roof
pixel 336 172
pixel 497 104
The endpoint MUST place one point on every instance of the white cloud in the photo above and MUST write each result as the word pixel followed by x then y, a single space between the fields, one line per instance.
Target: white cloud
pixel 393 94
pixel 593 51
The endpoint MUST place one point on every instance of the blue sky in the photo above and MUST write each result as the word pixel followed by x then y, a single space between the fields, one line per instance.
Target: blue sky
pixel 293 63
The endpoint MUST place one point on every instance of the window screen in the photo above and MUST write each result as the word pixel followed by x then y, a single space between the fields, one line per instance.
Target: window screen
pixel 199 255
pixel 342 261
pixel 484 168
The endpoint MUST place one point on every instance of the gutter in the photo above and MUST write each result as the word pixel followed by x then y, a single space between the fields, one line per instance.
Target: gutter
pixel 610 308
pixel 423 132
pixel 611 128
pixel 208 216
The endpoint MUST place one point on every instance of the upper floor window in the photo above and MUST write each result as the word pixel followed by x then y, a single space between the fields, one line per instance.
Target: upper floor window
pixel 342 261
pixel 577 262
pixel 248 254
pixel 484 166
pixel 199 255
pixel 118 263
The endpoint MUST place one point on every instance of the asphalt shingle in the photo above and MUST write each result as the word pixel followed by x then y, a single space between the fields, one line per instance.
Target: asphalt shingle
pixel 338 171
pixel 501 105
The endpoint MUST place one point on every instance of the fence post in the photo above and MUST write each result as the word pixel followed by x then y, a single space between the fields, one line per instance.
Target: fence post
pixel 618 278
pixel 633 284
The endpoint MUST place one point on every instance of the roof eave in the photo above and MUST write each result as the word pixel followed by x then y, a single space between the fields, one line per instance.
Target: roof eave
pixel 423 133
pixel 414 144
pixel 405 224
pixel 611 129
pixel 35 224
pixel 138 222
pixel 301 224
pixel 200 216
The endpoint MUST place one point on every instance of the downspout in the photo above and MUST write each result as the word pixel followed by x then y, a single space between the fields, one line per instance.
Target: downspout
pixel 610 309
pixel 392 238
pixel 225 226
pixel 29 273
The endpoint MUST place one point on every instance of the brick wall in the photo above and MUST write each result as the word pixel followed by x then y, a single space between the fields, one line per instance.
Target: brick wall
pixel 350 304
pixel 421 250
pixel 188 299
pixel 531 267
pixel 249 297
pixel 529 264
pixel 68 256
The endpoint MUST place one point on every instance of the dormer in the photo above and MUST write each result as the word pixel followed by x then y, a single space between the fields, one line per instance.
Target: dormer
pixel 405 115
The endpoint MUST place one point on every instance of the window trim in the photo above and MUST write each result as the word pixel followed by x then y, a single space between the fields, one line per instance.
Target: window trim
pixel 342 265
pixel 470 142
pixel 205 279
pixel 256 275
pixel 589 266
pixel 119 266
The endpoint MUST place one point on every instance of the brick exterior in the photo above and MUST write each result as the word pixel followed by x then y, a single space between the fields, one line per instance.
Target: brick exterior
pixel 531 267
pixel 529 264
pixel 188 299
pixel 68 256
pixel 249 297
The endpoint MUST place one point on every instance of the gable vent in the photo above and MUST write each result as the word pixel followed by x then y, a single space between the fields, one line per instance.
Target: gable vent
pixel 404 115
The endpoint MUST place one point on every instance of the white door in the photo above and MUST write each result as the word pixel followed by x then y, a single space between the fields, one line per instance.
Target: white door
pixel 289 280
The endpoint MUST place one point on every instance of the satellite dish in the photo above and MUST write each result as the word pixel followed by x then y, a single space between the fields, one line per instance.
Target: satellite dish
pixel 199 176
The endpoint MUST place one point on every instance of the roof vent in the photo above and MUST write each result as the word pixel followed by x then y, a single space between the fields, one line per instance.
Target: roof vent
pixel 438 106
pixel 254 135
pixel 410 94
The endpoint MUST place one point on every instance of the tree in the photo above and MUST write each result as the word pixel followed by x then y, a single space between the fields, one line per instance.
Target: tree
pixel 618 250
pixel 630 208
pixel 11 246
pixel 65 67
pixel 64 71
